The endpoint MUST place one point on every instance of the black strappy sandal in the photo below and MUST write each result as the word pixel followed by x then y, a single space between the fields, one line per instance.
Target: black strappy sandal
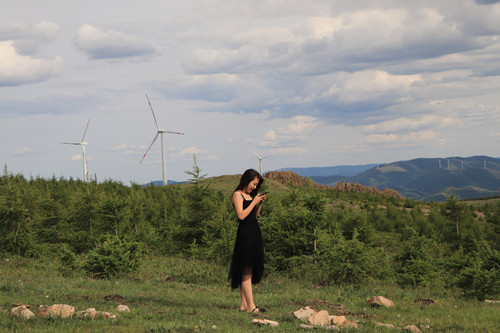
pixel 257 310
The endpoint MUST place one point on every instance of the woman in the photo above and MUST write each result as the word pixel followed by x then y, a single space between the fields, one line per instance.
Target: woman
pixel 247 265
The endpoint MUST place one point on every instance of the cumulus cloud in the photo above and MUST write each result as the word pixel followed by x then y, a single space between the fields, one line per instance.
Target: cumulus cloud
pixel 16 69
pixel 27 39
pixel 410 138
pixel 405 124
pixel 292 137
pixel 99 44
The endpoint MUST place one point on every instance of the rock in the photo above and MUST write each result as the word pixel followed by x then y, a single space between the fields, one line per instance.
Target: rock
pixel 491 301
pixel 385 325
pixel 337 320
pixel 106 315
pixel 412 329
pixel 332 328
pixel 22 312
pixel 350 324
pixel 307 326
pixel 321 318
pixel 123 308
pixel 304 313
pixel 56 310
pixel 90 313
pixel 266 322
pixel 27 306
pixel 380 301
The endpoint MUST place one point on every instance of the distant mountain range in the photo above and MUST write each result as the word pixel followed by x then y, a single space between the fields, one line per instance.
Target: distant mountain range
pixel 432 179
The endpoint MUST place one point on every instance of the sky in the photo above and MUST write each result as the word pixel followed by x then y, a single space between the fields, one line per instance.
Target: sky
pixel 303 83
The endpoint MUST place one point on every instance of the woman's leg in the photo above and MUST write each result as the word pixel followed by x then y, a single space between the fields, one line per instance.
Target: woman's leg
pixel 246 290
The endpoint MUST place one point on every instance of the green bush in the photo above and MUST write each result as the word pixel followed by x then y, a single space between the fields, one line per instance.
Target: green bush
pixel 112 256
pixel 481 278
pixel 348 261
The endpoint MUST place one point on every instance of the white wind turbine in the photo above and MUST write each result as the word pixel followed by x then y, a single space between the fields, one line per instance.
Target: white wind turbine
pixel 260 159
pixel 159 132
pixel 82 144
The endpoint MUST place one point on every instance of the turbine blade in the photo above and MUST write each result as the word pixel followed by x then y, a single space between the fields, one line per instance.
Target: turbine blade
pixel 83 137
pixel 71 143
pixel 154 117
pixel 152 143
pixel 173 132
pixel 256 154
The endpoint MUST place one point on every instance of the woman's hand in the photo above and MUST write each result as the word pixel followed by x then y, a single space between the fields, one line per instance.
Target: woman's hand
pixel 259 199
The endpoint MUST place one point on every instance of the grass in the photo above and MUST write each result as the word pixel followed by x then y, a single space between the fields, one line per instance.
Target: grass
pixel 178 295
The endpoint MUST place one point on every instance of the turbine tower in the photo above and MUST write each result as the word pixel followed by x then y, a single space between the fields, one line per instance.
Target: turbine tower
pixel 82 144
pixel 159 131
pixel 260 160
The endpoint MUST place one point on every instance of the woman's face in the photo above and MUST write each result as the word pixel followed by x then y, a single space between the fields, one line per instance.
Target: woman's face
pixel 252 185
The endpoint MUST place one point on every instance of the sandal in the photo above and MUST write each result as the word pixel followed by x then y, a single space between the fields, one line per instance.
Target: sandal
pixel 257 309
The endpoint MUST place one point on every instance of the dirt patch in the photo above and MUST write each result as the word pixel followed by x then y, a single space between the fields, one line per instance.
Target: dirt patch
pixel 115 297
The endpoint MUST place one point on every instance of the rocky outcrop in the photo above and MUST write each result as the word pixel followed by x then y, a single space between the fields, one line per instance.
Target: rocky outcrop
pixel 358 188
pixel 290 178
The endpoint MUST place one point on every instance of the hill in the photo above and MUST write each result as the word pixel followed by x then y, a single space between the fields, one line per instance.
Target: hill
pixel 434 178
pixel 431 179
pixel 331 171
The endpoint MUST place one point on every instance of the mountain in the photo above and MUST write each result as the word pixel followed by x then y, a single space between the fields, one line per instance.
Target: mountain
pixel 432 179
pixel 341 170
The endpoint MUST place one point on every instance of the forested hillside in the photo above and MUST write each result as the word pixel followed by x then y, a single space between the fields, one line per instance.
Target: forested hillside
pixel 328 236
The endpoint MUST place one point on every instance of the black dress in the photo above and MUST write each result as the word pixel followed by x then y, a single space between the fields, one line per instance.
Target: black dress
pixel 248 248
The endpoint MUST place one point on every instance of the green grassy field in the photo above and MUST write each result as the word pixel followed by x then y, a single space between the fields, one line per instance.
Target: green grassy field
pixel 179 295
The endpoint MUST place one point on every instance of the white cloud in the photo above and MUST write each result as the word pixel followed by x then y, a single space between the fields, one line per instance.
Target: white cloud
pixel 46 30
pixel 98 44
pixel 16 69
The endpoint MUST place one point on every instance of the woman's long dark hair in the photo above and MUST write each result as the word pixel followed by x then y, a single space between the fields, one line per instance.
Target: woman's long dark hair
pixel 246 178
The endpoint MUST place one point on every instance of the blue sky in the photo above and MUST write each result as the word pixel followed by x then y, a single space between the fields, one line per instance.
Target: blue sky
pixel 308 83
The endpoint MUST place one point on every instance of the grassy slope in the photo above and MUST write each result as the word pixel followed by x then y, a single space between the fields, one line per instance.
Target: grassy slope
pixel 178 295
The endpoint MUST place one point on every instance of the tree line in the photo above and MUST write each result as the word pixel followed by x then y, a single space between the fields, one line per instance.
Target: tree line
pixel 323 235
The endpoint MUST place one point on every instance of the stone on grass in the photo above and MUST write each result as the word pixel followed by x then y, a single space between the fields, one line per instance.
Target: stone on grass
pixel 311 327
pixel 337 320
pixel 123 308
pixel 106 315
pixel 380 301
pixel 412 329
pixel 304 313
pixel 22 312
pixel 56 310
pixel 321 318
pixel 90 313
pixel 271 323
pixel 385 325
pixel 350 324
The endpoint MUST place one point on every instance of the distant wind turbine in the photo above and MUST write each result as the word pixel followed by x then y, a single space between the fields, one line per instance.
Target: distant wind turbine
pixel 159 132
pixel 82 144
pixel 260 160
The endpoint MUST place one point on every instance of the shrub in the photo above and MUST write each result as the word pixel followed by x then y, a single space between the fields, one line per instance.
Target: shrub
pixel 112 256
pixel 348 261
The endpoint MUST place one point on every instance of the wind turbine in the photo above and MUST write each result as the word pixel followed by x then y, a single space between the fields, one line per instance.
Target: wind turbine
pixel 160 132
pixel 82 144
pixel 260 160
